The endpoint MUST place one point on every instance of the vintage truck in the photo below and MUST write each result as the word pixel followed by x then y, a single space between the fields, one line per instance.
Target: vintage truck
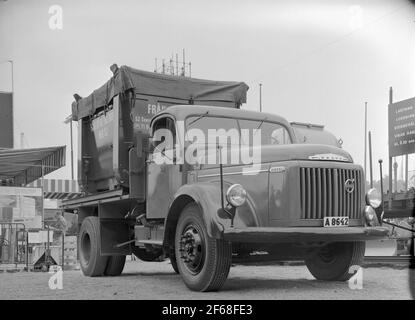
pixel 293 201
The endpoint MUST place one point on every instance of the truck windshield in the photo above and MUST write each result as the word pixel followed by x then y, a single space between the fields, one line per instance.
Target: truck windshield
pixel 246 131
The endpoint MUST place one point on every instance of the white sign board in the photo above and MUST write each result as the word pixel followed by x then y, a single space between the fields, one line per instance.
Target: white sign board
pixel 21 205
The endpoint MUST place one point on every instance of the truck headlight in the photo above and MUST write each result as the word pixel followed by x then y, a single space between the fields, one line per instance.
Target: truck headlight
pixel 236 195
pixel 373 198
pixel 370 216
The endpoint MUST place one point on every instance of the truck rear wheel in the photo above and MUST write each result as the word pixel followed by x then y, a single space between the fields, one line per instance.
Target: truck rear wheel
pixel 91 261
pixel 203 262
pixel 115 266
pixel 333 261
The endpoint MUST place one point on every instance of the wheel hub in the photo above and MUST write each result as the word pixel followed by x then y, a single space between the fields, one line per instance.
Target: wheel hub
pixel 191 249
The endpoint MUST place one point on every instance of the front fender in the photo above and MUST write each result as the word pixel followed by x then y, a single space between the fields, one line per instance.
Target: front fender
pixel 208 198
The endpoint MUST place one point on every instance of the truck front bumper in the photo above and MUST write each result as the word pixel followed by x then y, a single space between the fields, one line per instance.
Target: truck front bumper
pixel 304 234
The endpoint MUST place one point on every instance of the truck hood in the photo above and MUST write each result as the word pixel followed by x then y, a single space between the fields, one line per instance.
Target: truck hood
pixel 273 153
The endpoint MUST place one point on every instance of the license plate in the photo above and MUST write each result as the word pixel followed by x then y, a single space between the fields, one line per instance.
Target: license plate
pixel 336 221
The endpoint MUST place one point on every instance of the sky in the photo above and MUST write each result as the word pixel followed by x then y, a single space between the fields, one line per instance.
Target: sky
pixel 318 61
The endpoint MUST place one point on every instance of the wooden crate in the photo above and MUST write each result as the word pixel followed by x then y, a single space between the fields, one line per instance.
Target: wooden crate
pixel 70 253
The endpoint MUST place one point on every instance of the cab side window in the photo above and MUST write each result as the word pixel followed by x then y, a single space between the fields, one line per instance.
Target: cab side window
pixel 164 131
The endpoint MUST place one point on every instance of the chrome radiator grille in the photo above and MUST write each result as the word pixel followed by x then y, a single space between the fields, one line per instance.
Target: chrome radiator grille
pixel 324 193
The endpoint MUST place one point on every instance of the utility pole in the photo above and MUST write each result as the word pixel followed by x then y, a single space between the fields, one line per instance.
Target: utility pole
pixel 177 64
pixel 13 106
pixel 390 158
pixel 260 97
pixel 72 175
pixel 184 64
pixel 370 160
pixel 395 176
pixel 365 140
pixel 21 140
pixel 406 172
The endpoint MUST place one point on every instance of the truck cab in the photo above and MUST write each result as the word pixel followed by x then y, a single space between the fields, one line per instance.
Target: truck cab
pixel 212 185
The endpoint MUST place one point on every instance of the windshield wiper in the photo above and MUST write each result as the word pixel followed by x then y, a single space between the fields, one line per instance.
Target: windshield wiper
pixel 259 126
pixel 198 118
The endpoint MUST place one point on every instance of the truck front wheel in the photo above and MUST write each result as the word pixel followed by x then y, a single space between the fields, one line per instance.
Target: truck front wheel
pixel 333 262
pixel 203 262
pixel 91 261
pixel 173 261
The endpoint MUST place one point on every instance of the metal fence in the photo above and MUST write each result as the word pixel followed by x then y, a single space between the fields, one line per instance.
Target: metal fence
pixel 13 244
pixel 20 250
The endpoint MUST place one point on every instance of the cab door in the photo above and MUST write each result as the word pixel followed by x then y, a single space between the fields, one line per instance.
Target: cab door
pixel 163 179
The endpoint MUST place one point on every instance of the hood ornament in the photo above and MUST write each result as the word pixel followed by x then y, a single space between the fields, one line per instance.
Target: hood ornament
pixel 329 156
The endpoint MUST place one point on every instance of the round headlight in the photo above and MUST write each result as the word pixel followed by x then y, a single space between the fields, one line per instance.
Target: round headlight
pixel 370 216
pixel 236 195
pixel 373 198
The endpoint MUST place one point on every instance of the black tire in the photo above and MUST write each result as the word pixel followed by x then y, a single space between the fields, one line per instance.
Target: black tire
pixel 89 246
pixel 333 261
pixel 115 266
pixel 208 268
pixel 173 261
pixel 144 255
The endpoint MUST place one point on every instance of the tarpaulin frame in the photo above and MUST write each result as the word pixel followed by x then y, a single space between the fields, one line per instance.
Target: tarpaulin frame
pixel 161 85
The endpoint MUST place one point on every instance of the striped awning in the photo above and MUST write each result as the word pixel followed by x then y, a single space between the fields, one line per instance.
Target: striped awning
pixel 57 189
pixel 19 167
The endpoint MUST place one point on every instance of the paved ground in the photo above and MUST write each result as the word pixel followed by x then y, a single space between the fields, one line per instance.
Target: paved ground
pixel 145 280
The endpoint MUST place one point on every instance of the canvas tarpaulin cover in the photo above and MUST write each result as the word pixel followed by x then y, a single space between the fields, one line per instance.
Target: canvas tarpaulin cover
pixel 162 85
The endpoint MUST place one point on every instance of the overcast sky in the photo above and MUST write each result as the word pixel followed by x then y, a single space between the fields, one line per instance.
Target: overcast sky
pixel 318 61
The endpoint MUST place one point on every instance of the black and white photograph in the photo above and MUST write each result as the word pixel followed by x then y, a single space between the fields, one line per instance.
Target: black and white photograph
pixel 207 154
